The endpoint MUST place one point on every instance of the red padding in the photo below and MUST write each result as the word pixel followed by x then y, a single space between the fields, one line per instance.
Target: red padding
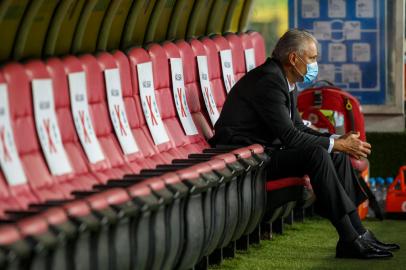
pixel 359 165
pixel 285 182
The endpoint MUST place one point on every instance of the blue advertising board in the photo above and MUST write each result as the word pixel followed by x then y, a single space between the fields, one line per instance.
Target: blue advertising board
pixel 352 43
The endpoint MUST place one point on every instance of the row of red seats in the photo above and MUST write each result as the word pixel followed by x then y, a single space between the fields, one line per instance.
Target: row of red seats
pixel 111 210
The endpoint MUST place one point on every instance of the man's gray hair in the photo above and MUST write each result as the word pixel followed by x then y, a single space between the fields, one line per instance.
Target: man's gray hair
pixel 294 40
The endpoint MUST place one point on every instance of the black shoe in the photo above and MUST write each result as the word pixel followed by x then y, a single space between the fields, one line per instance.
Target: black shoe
pixel 371 239
pixel 360 249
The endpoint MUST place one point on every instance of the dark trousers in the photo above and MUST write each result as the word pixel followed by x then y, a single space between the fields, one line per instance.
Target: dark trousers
pixel 333 179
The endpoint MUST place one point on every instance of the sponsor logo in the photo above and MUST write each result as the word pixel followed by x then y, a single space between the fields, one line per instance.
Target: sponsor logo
pixel 79 97
pixel 178 77
pixel 146 84
pixel 44 105
pixel 227 64
pixel 115 92
pixel 2 111
pixel 204 76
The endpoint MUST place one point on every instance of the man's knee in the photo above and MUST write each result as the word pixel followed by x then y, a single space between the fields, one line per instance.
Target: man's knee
pixel 340 155
pixel 318 152
pixel 341 158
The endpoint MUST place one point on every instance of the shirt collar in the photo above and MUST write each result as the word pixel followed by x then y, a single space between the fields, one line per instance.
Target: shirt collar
pixel 290 85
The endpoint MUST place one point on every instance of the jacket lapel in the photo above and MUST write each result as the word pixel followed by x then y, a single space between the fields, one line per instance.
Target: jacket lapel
pixel 272 65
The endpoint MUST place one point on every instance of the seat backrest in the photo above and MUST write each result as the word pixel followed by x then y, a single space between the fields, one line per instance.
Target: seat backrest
pixel 10 162
pixel 236 45
pixel 259 45
pixel 62 27
pixel 137 23
pixel 227 57
pixel 96 161
pixel 193 93
pixel 80 162
pixel 49 132
pixel 113 25
pixel 18 78
pixel 249 52
pixel 13 180
pixel 215 73
pixel 210 85
pixel 9 24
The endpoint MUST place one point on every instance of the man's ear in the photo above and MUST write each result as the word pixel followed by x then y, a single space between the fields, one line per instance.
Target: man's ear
pixel 292 58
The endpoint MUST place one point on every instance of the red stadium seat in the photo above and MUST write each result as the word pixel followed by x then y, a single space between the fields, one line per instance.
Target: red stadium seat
pixel 208 48
pixel 159 201
pixel 237 50
pixel 166 150
pixel 43 184
pixel 142 157
pixel 8 190
pixel 60 70
pixel 222 46
pixel 80 177
pixel 197 141
pixel 162 80
pixel 246 42
pixel 258 44
pixel 193 92
pixel 100 115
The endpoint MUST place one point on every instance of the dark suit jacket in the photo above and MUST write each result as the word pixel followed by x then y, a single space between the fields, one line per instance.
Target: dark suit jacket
pixel 257 111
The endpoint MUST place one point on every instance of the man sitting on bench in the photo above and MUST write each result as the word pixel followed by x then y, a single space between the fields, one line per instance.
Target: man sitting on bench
pixel 261 108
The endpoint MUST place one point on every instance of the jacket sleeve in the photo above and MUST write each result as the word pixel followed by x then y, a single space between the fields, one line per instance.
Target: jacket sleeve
pixel 270 101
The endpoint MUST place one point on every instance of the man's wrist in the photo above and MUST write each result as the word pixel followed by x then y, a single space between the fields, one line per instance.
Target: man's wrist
pixel 331 145
pixel 337 145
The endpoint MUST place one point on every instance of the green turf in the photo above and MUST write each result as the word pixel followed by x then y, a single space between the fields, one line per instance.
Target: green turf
pixel 311 245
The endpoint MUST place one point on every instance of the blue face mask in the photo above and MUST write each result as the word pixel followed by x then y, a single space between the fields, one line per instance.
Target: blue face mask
pixel 312 70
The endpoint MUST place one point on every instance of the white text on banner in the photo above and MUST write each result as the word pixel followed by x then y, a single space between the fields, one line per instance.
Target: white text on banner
pixel 48 128
pixel 227 69
pixel 117 111
pixel 249 59
pixel 10 162
pixel 81 116
pixel 149 105
pixel 179 94
pixel 206 89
